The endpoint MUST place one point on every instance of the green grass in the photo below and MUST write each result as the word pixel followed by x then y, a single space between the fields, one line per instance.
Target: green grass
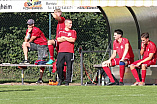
pixel 26 94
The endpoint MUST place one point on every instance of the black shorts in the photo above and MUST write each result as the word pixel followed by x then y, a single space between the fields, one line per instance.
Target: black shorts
pixel 42 50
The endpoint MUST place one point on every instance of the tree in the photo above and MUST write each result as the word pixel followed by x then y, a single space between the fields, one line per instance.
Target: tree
pixel 91 31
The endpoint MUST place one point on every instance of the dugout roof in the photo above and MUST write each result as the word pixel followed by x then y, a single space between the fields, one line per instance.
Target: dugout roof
pixel 133 21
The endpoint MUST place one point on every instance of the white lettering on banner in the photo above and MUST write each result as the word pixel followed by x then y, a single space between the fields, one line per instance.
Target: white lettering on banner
pixel 53 5
pixel 74 8
pixel 6 6
pixel 60 7
pixel 86 7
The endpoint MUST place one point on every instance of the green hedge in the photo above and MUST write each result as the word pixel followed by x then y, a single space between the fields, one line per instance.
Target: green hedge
pixel 91 35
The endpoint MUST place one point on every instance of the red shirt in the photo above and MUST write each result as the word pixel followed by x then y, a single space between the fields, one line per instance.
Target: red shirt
pixel 40 37
pixel 67 46
pixel 150 48
pixel 120 47
pixel 60 25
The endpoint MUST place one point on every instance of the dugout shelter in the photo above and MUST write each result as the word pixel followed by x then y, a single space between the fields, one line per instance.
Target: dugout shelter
pixel 133 21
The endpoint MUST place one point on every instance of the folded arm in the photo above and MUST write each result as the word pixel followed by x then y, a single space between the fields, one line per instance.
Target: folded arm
pixel 146 59
pixel 63 38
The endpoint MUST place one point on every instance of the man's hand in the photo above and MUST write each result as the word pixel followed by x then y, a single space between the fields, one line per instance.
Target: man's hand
pixel 30 29
pixel 122 60
pixel 138 64
pixel 143 46
pixel 106 63
pixel 56 16
pixel 63 37
pixel 53 14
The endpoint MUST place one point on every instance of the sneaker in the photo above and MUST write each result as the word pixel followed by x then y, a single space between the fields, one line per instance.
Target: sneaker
pixel 121 83
pixel 25 62
pixel 39 81
pixel 67 84
pixel 59 83
pixel 50 81
pixel 141 84
pixel 112 83
pixel 54 83
pixel 135 84
pixel 50 62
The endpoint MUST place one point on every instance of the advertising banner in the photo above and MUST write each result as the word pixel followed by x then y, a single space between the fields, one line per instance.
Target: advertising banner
pixel 42 6
pixel 67 5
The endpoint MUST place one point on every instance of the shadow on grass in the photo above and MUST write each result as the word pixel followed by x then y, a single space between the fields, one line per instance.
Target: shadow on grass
pixel 17 90
pixel 19 81
pixel 3 81
pixel 32 81
pixel 8 81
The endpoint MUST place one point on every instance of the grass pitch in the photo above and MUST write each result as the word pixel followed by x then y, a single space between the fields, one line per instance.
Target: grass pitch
pixel 26 94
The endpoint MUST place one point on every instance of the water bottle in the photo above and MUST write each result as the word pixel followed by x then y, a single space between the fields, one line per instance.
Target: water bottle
pixel 102 81
pixel 107 80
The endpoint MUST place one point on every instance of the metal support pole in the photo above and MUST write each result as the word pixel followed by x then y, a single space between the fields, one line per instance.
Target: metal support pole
pixel 81 68
pixel 99 76
pixel 49 26
pixel 49 35
pixel 22 76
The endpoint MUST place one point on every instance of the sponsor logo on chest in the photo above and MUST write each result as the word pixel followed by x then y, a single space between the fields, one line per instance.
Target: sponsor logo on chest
pixel 121 47
pixel 148 49
pixel 66 33
pixel 69 34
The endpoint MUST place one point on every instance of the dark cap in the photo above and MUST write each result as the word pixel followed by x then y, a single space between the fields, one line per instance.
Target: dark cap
pixel 30 22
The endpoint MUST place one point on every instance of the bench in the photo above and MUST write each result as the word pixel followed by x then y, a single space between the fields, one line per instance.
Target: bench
pixel 99 66
pixel 23 67
pixel 151 75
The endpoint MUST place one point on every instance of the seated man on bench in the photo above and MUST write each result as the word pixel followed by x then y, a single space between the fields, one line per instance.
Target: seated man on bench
pixel 123 48
pixel 35 40
pixel 148 51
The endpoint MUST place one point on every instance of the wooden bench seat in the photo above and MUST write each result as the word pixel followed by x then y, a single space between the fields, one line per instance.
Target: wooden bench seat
pixel 23 67
pixel 100 66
